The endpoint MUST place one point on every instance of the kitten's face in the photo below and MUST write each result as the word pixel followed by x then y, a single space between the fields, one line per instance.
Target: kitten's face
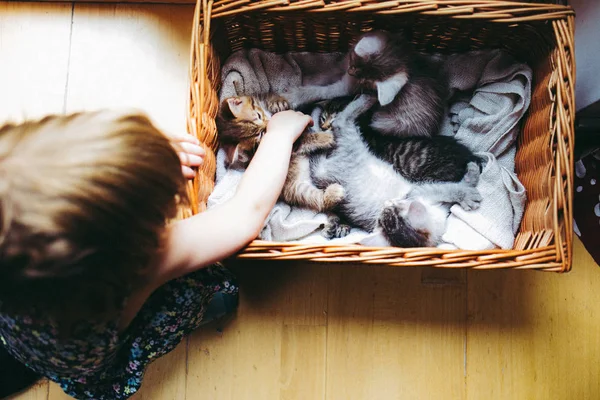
pixel 415 214
pixel 238 156
pixel 326 120
pixel 377 55
pixel 241 123
pixel 379 61
pixel 330 110
pixel 408 224
pixel 246 109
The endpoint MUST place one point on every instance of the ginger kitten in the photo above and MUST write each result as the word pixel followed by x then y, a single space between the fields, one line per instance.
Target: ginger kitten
pixel 242 121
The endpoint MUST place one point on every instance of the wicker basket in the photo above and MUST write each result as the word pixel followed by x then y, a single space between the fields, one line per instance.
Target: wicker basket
pixel 541 35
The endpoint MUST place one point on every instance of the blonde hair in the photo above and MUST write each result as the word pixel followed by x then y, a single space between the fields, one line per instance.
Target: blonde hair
pixel 84 199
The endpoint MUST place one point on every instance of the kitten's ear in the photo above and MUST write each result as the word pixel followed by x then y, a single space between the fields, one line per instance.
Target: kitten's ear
pixel 368 45
pixel 235 105
pixel 235 156
pixel 417 214
pixel 230 153
pixel 388 90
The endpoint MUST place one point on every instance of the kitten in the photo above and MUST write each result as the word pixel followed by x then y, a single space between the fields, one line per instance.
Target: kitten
pixel 379 198
pixel 410 90
pixel 420 219
pixel 425 159
pixel 242 122
pixel 418 159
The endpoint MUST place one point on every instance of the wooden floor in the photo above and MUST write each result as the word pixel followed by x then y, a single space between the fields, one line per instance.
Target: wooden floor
pixel 307 332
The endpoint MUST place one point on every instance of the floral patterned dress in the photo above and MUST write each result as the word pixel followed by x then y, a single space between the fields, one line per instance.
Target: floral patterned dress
pixel 97 361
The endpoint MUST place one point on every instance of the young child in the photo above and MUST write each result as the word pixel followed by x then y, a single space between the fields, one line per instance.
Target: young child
pixel 94 284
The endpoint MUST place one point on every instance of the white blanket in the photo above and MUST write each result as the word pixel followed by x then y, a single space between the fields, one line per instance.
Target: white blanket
pixel 491 94
pixel 497 220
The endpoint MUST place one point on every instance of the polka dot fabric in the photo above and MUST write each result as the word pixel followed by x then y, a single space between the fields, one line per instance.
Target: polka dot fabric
pixel 586 210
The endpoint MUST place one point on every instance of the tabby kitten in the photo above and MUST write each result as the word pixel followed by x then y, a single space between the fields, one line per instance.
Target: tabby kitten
pixel 242 121
pixel 379 198
pixel 410 89
pixel 425 159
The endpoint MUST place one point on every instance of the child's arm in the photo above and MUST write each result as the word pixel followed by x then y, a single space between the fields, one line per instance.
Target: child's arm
pixel 222 231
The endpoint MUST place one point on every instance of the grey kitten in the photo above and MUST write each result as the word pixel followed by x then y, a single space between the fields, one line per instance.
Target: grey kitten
pixel 410 89
pixel 379 198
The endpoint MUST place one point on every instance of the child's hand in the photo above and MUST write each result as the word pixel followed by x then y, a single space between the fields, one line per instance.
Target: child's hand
pixel 291 123
pixel 190 153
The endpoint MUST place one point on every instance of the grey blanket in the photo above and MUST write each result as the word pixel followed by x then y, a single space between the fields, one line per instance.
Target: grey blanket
pixel 491 92
pixel 254 71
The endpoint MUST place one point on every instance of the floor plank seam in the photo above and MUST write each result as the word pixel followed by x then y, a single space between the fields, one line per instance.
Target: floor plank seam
pixel 64 110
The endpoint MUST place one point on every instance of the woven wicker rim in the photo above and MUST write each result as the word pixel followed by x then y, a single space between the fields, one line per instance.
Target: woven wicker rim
pixel 542 250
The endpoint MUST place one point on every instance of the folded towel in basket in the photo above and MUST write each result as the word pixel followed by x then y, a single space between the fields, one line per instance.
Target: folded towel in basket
pixel 497 220
pixel 491 92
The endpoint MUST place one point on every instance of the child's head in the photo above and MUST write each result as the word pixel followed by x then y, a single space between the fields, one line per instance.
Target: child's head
pixel 83 203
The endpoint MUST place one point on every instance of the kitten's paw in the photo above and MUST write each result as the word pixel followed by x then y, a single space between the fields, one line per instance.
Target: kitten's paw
pixel 392 211
pixel 335 229
pixel 472 175
pixel 280 105
pixel 334 194
pixel 471 199
pixel 294 95
pixel 327 140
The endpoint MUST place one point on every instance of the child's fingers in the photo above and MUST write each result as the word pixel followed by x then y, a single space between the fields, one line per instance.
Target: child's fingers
pixel 184 137
pixel 190 160
pixel 192 149
pixel 307 118
pixel 188 172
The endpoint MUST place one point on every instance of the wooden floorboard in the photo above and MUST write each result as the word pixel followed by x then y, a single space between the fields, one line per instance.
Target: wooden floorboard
pixel 390 336
pixel 34 55
pixel 275 347
pixel 125 55
pixel 534 335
